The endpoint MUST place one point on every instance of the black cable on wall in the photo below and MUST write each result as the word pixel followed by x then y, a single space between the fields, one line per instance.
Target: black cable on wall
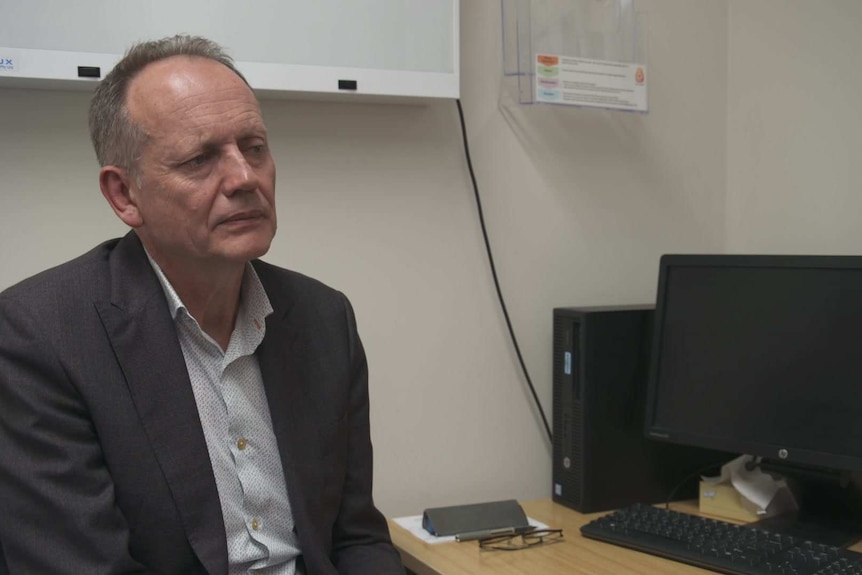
pixel 494 274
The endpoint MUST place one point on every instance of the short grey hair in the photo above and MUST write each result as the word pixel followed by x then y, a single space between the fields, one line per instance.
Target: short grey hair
pixel 116 138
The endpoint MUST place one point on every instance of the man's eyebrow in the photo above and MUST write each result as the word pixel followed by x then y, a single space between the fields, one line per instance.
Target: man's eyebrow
pixel 250 135
pixel 254 128
pixel 212 140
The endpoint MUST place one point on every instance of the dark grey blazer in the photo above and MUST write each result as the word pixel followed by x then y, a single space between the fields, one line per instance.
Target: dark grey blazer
pixel 103 464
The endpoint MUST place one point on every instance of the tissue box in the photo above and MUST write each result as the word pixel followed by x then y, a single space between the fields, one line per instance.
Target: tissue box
pixel 723 500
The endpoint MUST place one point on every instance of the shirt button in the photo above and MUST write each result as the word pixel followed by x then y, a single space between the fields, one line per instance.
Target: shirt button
pixel 241 443
pixel 255 524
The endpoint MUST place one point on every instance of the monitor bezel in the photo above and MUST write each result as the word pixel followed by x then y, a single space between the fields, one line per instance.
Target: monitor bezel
pixel 784 453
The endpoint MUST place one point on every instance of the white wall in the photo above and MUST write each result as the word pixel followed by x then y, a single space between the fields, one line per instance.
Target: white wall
pixel 794 126
pixel 375 200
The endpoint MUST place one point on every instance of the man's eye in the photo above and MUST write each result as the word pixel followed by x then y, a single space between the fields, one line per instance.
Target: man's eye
pixel 198 160
pixel 256 149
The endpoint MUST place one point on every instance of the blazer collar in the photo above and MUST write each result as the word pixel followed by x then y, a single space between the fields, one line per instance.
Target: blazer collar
pixel 141 329
pixel 282 357
pixel 277 358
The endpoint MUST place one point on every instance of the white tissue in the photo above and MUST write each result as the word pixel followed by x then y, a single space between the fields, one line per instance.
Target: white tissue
pixel 756 486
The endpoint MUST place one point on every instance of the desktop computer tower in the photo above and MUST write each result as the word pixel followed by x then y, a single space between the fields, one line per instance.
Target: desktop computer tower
pixel 602 459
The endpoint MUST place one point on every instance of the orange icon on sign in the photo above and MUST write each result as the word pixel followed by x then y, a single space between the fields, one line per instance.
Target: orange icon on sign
pixel 639 75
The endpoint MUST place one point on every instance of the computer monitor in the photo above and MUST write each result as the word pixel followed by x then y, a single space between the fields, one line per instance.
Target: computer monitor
pixel 762 355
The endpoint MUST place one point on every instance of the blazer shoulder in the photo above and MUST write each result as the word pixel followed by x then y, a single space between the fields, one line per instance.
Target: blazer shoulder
pixel 87 273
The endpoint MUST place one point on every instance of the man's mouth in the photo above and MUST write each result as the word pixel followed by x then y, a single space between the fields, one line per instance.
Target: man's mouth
pixel 242 216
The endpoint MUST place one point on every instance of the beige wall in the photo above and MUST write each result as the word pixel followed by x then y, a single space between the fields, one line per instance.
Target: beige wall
pixel 794 126
pixel 375 200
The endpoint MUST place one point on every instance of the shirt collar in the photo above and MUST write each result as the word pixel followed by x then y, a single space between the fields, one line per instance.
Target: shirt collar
pixel 254 304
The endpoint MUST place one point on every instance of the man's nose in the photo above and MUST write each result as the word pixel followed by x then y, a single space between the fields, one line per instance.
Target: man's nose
pixel 239 175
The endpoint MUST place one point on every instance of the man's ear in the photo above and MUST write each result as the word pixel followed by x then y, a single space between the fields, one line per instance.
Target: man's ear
pixel 119 190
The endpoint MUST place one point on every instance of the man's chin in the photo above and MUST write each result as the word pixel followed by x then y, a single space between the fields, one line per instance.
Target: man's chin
pixel 247 251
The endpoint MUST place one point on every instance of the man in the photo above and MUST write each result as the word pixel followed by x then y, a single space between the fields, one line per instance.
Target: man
pixel 169 403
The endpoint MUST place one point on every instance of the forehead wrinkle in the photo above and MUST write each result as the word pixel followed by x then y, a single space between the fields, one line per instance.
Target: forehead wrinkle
pixel 218 130
pixel 193 108
pixel 186 100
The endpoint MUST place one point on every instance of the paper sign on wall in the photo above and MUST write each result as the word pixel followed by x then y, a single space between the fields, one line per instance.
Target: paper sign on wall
pixel 595 83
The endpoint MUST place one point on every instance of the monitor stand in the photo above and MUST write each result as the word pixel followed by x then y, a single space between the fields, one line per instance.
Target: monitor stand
pixel 830 506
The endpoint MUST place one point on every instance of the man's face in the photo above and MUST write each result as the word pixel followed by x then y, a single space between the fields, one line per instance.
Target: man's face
pixel 205 190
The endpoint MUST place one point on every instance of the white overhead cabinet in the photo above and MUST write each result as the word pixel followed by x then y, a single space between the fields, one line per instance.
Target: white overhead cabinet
pixel 349 47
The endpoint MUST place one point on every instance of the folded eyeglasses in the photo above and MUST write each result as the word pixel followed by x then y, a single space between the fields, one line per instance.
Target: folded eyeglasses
pixel 517 541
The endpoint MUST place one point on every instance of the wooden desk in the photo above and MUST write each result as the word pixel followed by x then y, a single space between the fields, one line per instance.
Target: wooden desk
pixel 576 555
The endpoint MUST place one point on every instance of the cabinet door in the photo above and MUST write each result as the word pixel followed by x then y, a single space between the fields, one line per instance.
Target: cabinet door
pixel 370 47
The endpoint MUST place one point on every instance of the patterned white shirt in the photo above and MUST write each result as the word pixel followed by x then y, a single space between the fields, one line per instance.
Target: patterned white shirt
pixel 231 402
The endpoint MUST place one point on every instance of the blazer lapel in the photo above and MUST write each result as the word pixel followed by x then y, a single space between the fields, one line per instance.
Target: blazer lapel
pixel 280 380
pixel 144 339
pixel 280 357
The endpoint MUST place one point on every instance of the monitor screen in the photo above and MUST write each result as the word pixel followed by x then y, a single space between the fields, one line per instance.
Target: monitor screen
pixel 760 355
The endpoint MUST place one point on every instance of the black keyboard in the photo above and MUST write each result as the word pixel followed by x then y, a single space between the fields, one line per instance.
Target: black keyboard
pixel 719 545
